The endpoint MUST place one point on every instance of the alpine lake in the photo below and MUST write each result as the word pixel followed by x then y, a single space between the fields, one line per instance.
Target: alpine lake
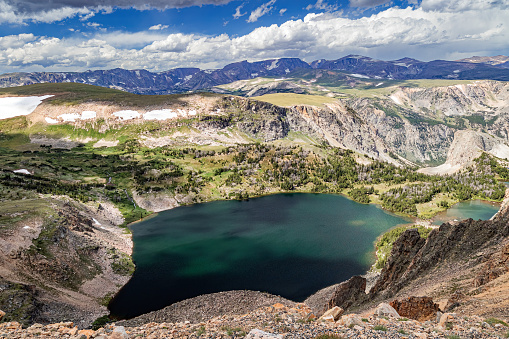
pixel 285 244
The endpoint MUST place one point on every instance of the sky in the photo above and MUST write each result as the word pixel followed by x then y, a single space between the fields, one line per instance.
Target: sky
pixel 157 35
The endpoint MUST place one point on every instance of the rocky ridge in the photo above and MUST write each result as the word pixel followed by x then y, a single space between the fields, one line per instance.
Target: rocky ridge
pixel 62 265
pixel 180 80
pixel 280 321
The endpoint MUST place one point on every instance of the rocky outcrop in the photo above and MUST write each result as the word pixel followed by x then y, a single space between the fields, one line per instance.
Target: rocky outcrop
pixel 497 265
pixel 62 266
pixel 418 308
pixel 348 293
pixel 258 119
pixel 404 252
pixel 466 146
pixel 454 246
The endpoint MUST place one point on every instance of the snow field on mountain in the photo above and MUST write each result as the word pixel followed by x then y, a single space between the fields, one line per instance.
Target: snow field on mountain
pixel 11 107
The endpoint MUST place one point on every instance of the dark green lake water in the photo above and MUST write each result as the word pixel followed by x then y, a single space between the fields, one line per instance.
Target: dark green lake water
pixel 286 244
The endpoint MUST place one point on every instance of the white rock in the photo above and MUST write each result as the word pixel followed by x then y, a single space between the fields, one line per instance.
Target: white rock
pixel 387 310
pixel 333 313
pixel 119 333
pixel 259 334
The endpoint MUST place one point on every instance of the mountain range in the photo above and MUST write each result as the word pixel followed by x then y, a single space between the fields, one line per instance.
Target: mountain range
pixel 181 80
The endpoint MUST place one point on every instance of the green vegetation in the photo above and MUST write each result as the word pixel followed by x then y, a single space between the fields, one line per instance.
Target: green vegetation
pixel 493 321
pixel 386 241
pixel 328 336
pixel 18 302
pixel 74 93
pixel 291 99
pixel 101 322
pixel 380 328
pixel 121 263
pixel 237 331
pixel 200 330
pixel 201 174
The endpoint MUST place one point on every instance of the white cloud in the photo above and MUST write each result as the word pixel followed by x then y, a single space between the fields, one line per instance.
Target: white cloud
pixel 10 14
pixel 367 3
pixel 16 41
pixel 261 11
pixel 320 4
pixel 390 34
pixel 93 24
pixel 158 27
pixel 282 11
pixel 463 5
pixel 123 40
pixel 238 13
pixel 23 11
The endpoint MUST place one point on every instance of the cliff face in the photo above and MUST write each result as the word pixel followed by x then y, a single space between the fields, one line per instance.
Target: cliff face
pixel 415 125
pixel 462 265
pixel 63 263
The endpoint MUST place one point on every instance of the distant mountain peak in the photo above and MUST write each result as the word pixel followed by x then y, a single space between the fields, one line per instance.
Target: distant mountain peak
pixel 180 80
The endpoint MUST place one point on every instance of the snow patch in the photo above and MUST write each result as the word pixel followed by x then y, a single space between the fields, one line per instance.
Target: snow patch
pixel 379 84
pixel 360 76
pixel 162 114
pixel 85 115
pixel 11 107
pixel 22 171
pixel 396 99
pixel 26 227
pixel 456 71
pixel 254 75
pixel 127 115
pixel 51 121
pixel 273 65
pixel 287 70
pixel 96 222
pixel 402 64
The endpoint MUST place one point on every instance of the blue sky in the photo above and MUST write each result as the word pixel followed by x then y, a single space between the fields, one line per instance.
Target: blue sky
pixel 76 35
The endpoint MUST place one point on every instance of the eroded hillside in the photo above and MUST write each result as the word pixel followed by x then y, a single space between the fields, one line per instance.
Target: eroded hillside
pixel 86 160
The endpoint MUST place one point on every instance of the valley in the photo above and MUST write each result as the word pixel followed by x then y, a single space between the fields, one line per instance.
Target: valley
pixel 88 161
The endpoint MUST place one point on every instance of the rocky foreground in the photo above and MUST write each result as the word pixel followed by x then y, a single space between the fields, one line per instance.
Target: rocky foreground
pixel 280 321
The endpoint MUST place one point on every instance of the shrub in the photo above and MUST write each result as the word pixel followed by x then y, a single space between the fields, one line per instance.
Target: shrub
pixel 100 322
pixel 493 321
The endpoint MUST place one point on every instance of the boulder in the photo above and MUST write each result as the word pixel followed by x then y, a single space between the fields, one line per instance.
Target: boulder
pixel 351 320
pixel 385 309
pixel 119 333
pixel 86 333
pixel 445 319
pixel 417 308
pixel 334 314
pixel 259 334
